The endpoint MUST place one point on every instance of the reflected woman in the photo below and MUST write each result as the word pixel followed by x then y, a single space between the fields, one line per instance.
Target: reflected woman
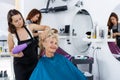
pixel 114 31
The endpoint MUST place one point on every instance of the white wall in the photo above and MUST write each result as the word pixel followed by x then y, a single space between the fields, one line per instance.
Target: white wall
pixel 5 6
pixel 27 5
pixel 117 10
pixel 100 10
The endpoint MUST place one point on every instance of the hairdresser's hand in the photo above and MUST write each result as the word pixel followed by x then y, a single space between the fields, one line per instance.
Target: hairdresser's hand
pixel 47 28
pixel 18 54
pixel 114 35
pixel 43 35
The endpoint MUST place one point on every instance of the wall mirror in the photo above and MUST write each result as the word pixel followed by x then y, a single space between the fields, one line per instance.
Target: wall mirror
pixel 115 50
pixel 82 23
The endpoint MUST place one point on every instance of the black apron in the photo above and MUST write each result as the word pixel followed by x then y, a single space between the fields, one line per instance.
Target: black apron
pixel 117 37
pixel 24 66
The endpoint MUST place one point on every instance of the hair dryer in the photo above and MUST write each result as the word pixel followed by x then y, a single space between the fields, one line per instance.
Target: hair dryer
pixel 20 47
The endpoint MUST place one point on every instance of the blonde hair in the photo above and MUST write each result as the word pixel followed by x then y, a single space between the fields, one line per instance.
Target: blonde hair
pixel 51 33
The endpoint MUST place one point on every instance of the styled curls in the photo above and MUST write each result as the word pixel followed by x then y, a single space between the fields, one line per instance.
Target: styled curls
pixel 50 33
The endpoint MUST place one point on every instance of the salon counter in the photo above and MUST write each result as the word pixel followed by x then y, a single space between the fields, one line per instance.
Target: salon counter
pixel 106 66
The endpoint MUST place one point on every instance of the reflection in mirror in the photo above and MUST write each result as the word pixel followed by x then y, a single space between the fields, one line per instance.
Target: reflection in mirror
pixel 114 32
pixel 81 24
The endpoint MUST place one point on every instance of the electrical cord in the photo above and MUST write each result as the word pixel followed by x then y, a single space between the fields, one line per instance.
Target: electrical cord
pixel 97 48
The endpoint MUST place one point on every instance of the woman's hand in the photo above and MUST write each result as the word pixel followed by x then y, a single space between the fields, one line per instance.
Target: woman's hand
pixel 115 34
pixel 18 54
pixel 43 35
pixel 45 32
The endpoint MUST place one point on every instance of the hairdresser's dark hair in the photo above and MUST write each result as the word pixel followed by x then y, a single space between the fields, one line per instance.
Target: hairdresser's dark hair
pixel 32 13
pixel 11 13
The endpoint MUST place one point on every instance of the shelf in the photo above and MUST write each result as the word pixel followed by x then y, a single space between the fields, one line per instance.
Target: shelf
pixel 63 35
pixel 98 40
pixel 6 64
pixel 89 61
pixel 83 61
pixel 92 40
pixel 5 55
pixel 111 40
pixel 5 78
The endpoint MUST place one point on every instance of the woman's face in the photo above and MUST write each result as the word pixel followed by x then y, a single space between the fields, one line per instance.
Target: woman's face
pixel 50 44
pixel 36 17
pixel 17 21
pixel 113 20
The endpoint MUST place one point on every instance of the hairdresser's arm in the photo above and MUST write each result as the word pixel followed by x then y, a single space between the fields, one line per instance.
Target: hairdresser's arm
pixel 35 27
pixel 11 46
pixel 116 34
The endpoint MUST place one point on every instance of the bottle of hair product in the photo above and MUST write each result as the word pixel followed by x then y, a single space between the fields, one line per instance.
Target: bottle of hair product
pixel 94 33
pixel 101 33
pixel 0 49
